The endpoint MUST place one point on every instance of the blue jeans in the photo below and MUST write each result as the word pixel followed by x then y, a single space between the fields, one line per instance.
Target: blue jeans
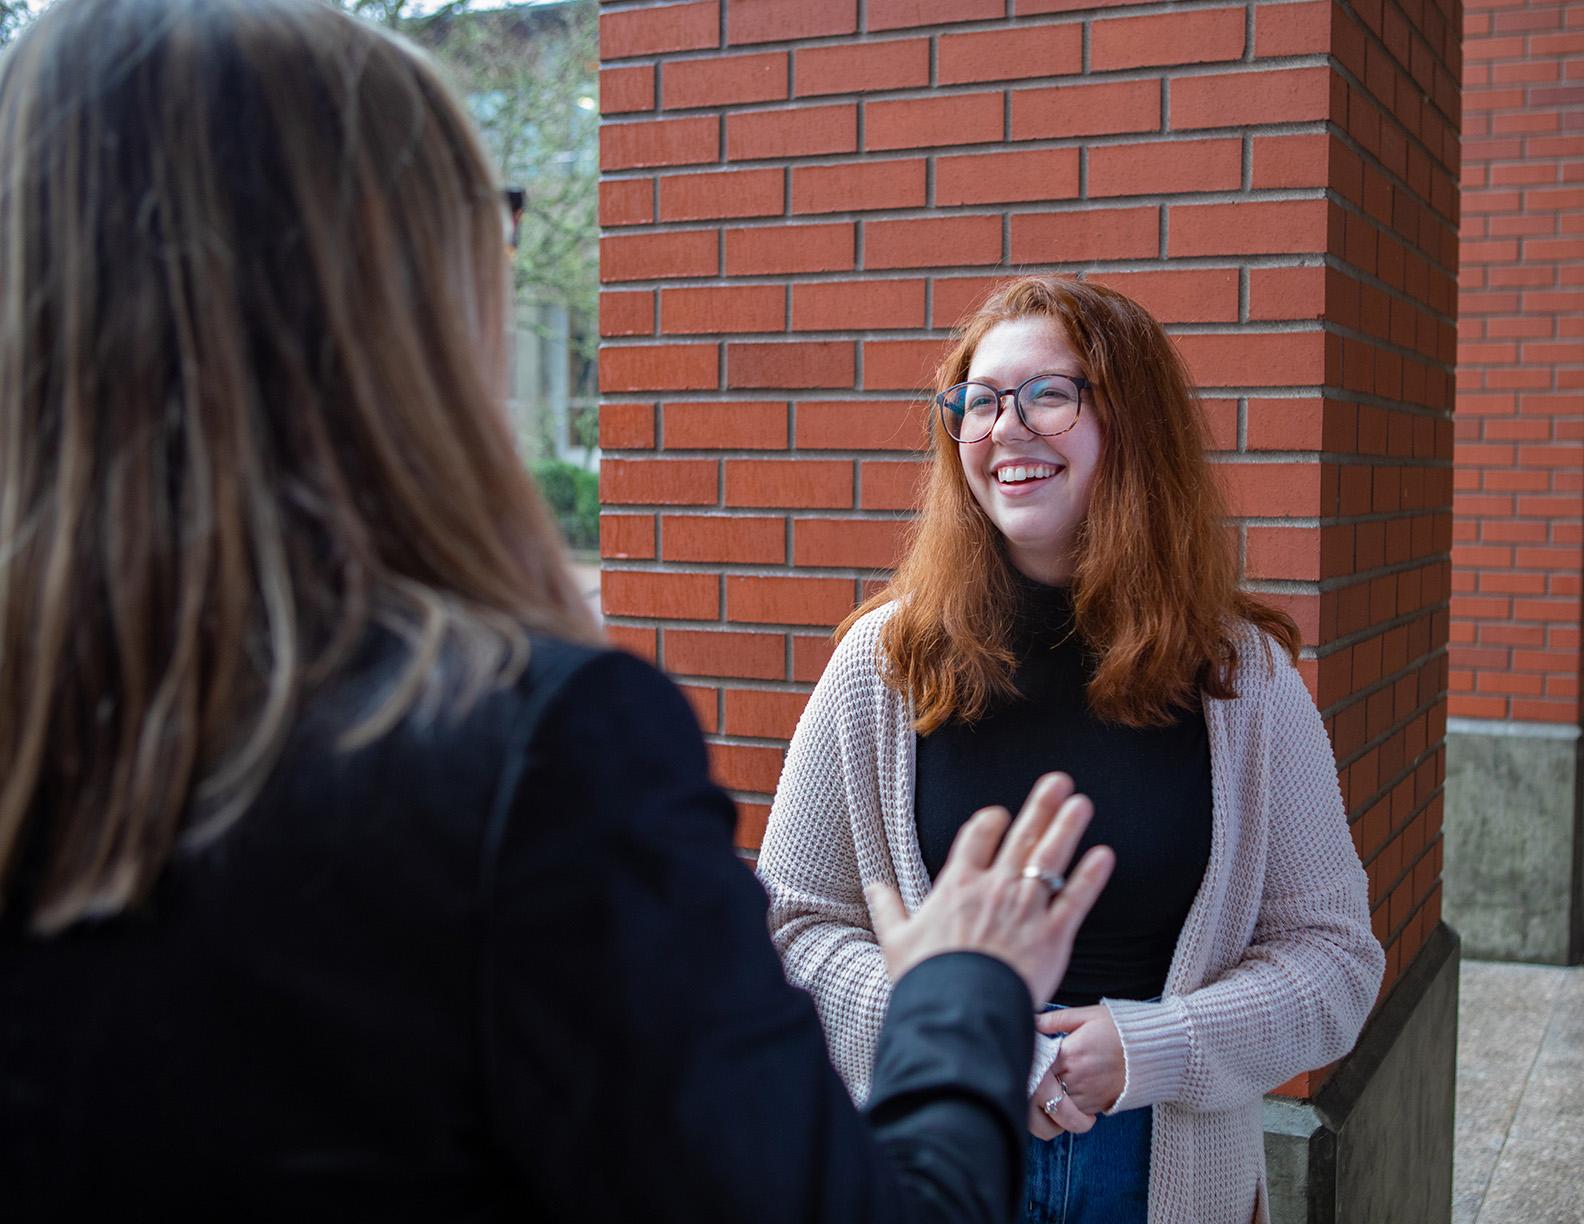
pixel 1099 1177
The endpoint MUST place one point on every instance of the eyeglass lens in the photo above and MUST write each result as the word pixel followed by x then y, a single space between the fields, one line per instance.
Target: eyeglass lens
pixel 1048 404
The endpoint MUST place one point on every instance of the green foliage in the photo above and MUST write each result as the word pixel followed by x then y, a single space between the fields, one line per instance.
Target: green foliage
pixel 573 494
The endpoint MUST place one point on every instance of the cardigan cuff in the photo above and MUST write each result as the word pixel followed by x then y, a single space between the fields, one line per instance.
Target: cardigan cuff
pixel 1045 1050
pixel 1155 1049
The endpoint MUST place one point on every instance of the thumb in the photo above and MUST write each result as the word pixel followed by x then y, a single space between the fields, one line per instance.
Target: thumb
pixel 886 911
pixel 1067 1020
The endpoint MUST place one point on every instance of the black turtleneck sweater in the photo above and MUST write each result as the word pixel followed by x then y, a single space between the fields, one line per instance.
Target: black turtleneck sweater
pixel 1151 792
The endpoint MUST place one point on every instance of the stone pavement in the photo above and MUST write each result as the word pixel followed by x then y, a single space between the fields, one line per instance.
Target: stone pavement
pixel 1519 1156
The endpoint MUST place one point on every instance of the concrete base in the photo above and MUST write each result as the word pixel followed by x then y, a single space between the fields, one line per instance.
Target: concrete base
pixel 1376 1143
pixel 1514 833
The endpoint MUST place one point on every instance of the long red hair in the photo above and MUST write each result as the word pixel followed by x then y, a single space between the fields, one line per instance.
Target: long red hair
pixel 1155 591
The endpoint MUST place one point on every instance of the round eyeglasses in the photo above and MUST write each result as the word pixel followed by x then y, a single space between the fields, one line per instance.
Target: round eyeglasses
pixel 1047 404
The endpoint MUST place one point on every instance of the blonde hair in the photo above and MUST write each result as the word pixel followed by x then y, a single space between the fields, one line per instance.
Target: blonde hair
pixel 1155 576
pixel 252 296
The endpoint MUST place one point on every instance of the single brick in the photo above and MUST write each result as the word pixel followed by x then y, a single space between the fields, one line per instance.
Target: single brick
pixel 914 123
pixel 788 601
pixel 1294 161
pixel 792 132
pixel 884 425
pixel 633 257
pixel 890 485
pixel 1255 359
pixel 626 314
pixel 751 425
pixel 1278 227
pixel 659 142
pixel 706 705
pixel 722 652
pixel 1270 490
pixel 752 821
pixel 1165 167
pixel 723 308
pixel 1288 293
pixel 810 656
pixel 659 482
pixel 791 248
pixel 626 201
pixel 627 537
pixel 626 426
pixel 659 367
pixel 996 178
pixel 634 639
pixel 1180 295
pixel 1249 99
pixel 657 596
pixel 854 543
pixel 1197 36
pixel 1282 553
pixel 858 186
pixel 1031 8
pixel 848 306
pixel 660 29
pixel 722 193
pixel 789 483
pixel 925 241
pixel 763 714
pixel 740 767
pixel 900 14
pixel 1086 109
pixel 1004 55
pixel 1069 237
pixel 861 67
pixel 1292 29
pixel 799 364
pixel 955 296
pixel 761 21
pixel 624 90
pixel 723 538
pixel 725 80
pixel 901 365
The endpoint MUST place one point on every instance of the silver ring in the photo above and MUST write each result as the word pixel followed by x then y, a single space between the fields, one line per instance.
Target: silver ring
pixel 1049 1108
pixel 1053 880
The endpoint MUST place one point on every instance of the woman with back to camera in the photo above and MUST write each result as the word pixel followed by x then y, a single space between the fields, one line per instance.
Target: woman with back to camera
pixel 344 875
pixel 1069 600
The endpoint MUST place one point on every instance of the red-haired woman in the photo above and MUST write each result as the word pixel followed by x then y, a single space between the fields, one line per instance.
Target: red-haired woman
pixel 1070 601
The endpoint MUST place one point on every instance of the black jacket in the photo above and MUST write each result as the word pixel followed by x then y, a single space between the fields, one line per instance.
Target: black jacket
pixel 456 976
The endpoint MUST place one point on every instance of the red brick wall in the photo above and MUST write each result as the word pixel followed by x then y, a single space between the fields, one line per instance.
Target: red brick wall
pixel 799 200
pixel 1519 524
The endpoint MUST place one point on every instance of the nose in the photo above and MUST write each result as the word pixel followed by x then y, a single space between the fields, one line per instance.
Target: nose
pixel 1009 425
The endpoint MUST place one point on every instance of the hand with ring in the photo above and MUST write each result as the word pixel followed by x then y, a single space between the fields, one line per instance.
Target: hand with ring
pixel 1051 1109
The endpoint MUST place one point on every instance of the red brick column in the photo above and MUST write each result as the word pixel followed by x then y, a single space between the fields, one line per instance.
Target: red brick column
pixel 800 199
pixel 1520 450
pixel 1516 833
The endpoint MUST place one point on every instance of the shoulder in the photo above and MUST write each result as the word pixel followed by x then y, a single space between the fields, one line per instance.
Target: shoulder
pixel 1266 674
pixel 858 653
pixel 582 704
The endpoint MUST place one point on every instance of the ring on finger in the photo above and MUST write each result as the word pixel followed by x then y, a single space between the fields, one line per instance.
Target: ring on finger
pixel 1051 1106
pixel 1053 880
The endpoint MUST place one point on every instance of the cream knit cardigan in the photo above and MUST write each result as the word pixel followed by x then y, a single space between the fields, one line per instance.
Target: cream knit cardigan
pixel 1274 973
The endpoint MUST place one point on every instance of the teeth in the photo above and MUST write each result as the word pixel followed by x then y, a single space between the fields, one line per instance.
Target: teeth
pixel 1015 475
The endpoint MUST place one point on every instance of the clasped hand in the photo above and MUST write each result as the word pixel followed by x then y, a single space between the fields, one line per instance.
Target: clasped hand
pixel 1088 1074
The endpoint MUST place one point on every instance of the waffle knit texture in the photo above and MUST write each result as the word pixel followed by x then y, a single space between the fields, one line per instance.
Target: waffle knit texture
pixel 1274 973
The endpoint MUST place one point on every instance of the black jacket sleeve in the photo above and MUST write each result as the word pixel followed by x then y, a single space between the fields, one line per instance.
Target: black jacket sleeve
pixel 642 1053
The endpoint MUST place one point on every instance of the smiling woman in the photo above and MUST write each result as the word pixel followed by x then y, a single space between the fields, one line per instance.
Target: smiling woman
pixel 1070 602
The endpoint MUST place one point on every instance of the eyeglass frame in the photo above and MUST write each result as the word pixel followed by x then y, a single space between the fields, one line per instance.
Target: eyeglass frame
pixel 1077 380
